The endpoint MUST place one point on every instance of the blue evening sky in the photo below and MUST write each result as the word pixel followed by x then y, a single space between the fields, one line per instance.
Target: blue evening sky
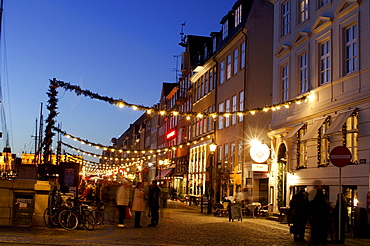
pixel 118 48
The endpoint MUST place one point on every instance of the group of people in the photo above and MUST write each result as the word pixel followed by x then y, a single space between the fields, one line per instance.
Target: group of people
pixel 138 202
pixel 323 217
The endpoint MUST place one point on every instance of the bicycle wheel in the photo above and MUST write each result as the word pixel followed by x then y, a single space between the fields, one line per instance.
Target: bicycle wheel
pixel 99 217
pixel 68 220
pixel 89 219
pixel 51 217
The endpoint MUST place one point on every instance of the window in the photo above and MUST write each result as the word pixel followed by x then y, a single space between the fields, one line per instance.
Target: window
pixel 301 148
pixel 227 118
pixel 322 3
pixel 240 154
pixel 202 92
pixel 221 118
pixel 222 72
pixel 232 156
pixel 350 135
pixel 206 83
pixel 241 104
pixel 238 15
pixel 205 55
pixel 323 145
pixel 226 156
pixel 236 61
pixel 242 51
pixel 225 29
pixel 228 70
pixel 303 10
pixel 233 117
pixel 325 62
pixel 285 18
pixel 303 60
pixel 219 154
pixel 351 53
pixel 284 82
pixel 211 79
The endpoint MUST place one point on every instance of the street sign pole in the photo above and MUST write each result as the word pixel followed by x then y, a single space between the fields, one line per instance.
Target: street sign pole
pixel 340 156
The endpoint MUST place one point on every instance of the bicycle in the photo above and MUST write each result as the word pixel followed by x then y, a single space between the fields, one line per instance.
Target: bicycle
pixel 57 202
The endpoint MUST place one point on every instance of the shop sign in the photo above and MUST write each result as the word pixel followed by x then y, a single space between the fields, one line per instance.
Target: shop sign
pixel 171 135
pixel 260 167
pixel 260 152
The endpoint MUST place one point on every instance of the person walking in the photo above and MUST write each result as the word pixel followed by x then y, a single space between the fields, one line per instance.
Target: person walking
pixel 138 203
pixel 319 209
pixel 298 208
pixel 153 202
pixel 122 201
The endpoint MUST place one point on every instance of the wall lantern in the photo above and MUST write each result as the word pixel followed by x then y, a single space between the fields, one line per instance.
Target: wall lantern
pixel 212 146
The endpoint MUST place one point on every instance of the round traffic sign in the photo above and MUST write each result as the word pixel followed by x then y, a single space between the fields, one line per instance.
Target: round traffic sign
pixel 340 156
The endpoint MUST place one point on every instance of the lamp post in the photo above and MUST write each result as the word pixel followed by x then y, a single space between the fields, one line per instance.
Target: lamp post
pixel 212 149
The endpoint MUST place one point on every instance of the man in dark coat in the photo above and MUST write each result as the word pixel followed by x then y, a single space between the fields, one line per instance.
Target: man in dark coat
pixel 153 202
pixel 299 210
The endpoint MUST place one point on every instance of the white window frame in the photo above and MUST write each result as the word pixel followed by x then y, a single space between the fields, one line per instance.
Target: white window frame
pixel 350 49
pixel 228 69
pixel 227 109
pixel 303 10
pixel 233 117
pixel 236 61
pixel 241 105
pixel 285 18
pixel 222 72
pixel 221 108
pixel 285 82
pixel 325 61
pixel 225 29
pixel 238 15
pixel 243 55
pixel 303 72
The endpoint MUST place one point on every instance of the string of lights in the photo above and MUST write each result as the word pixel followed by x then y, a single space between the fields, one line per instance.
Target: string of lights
pixel 189 115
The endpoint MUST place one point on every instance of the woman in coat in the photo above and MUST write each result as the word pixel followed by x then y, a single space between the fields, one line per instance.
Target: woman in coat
pixel 138 204
pixel 122 200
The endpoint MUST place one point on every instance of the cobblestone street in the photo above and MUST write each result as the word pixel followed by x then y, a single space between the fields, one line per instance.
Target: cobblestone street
pixel 179 225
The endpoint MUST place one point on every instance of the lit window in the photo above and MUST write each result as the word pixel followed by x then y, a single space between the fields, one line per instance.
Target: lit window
pixel 301 148
pixel 350 135
pixel 228 71
pixel 285 82
pixel 325 62
pixel 236 61
pixel 232 156
pixel 285 18
pixel 303 59
pixel 240 155
pixel 227 106
pixel 323 145
pixel 226 156
pixel 221 118
pixel 233 117
pixel 241 104
pixel 351 49
pixel 303 10
pixel 238 15
pixel 222 72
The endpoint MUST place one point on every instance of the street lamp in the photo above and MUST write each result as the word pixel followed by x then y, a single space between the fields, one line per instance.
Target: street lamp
pixel 212 149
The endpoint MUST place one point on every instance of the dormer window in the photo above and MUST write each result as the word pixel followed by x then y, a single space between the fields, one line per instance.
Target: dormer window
pixel 238 15
pixel 214 44
pixel 205 52
pixel 225 29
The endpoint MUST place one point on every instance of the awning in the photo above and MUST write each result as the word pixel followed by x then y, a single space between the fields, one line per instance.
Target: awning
pixel 163 174
pixel 312 129
pixel 339 122
pixel 293 131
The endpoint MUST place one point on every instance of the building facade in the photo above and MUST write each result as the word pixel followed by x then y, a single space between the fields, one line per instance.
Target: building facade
pixel 321 54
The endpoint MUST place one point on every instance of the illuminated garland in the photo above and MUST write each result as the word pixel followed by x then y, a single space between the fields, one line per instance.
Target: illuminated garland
pixel 152 110
pixel 127 151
